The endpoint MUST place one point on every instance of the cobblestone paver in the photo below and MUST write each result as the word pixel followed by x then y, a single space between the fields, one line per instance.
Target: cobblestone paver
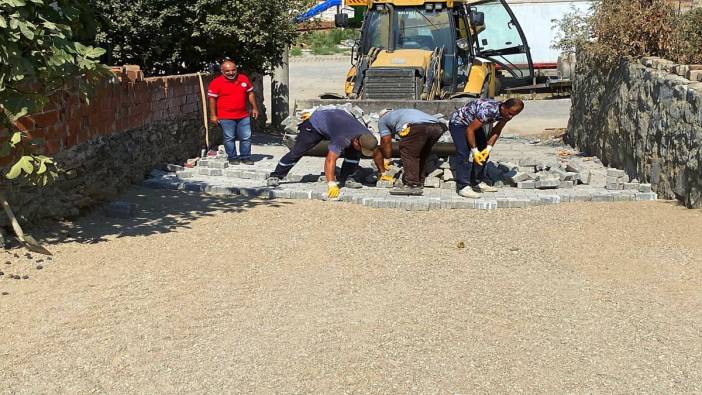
pixel 306 181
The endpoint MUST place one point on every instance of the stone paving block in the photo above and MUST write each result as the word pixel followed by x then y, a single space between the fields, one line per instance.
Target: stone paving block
pixel 596 179
pixel 646 196
pixel 518 203
pixel 485 204
pixel 574 167
pixel 526 184
pixel 644 187
pixel 203 162
pixel 447 176
pixel 614 186
pixel 550 199
pixel 582 197
pixel 432 182
pixel 566 197
pixel 301 195
pixel 602 197
pixel 185 174
pixel 434 204
pixel 450 185
pixel 514 177
pixel 631 186
pixel 217 164
pixel 616 173
pixel 530 162
pixel 526 169
pixel 436 173
pixel 222 190
pixel 566 184
pixel 503 202
pixel 384 184
pixel 621 197
pixel 280 194
pixel 462 204
pixel 547 183
pixel 534 200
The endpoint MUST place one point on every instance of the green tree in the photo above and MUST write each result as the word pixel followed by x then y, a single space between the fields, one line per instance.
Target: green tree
pixel 172 36
pixel 40 54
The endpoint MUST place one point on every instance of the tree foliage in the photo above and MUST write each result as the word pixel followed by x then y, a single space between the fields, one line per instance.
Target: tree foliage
pixel 173 36
pixel 40 54
pixel 617 29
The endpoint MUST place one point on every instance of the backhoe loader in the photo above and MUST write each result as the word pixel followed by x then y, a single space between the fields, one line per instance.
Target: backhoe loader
pixel 432 54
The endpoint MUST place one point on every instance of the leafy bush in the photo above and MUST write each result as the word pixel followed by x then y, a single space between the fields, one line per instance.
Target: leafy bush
pixel 686 41
pixel 616 29
pixel 174 36
pixel 40 54
pixel 327 39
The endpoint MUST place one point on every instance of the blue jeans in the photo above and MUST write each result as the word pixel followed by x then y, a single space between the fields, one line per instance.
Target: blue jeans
pixel 237 129
pixel 467 172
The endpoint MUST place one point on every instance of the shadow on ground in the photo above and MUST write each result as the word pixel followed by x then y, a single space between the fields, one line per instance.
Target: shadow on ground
pixel 158 211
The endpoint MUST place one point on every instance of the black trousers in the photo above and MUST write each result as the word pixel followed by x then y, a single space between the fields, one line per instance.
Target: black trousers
pixel 477 174
pixel 307 138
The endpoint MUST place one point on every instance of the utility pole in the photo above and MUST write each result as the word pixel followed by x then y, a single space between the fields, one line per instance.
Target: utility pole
pixel 280 91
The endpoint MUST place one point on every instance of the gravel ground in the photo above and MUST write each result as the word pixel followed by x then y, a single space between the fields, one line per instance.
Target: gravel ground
pixel 205 294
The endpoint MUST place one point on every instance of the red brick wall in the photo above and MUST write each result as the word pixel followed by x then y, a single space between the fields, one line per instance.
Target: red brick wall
pixel 114 108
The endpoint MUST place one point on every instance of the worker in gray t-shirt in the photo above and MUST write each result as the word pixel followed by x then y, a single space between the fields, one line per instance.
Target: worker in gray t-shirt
pixel 417 132
pixel 348 138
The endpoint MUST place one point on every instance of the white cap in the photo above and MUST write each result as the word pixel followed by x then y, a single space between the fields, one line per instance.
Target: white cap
pixel 383 112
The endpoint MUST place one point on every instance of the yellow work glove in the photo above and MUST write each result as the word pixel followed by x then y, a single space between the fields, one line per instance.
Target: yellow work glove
pixel 486 152
pixel 388 164
pixel 333 190
pixel 387 177
pixel 478 157
pixel 405 130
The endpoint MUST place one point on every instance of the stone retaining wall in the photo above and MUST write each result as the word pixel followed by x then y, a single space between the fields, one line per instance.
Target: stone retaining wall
pixel 644 117
pixel 128 128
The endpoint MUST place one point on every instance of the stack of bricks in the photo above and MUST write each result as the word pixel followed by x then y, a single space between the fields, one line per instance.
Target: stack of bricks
pixel 692 72
pixel 128 101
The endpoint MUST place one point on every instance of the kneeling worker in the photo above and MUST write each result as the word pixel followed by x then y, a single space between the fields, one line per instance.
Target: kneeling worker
pixel 417 132
pixel 347 137
pixel 469 137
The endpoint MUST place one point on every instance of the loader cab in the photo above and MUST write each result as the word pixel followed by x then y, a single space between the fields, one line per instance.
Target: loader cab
pixel 502 41
pixel 403 29
pixel 470 32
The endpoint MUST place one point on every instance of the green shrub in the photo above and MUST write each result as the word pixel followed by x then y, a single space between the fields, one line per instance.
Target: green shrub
pixel 617 29
pixel 295 51
pixel 324 41
pixel 686 41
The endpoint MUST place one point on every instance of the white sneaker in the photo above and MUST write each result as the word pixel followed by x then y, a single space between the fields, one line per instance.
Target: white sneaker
pixel 468 192
pixel 486 188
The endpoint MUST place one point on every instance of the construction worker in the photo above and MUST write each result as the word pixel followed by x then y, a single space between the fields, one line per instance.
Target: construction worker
pixel 466 127
pixel 228 95
pixel 347 137
pixel 417 132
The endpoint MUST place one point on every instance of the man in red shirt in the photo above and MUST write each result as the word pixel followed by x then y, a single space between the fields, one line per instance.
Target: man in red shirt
pixel 227 96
